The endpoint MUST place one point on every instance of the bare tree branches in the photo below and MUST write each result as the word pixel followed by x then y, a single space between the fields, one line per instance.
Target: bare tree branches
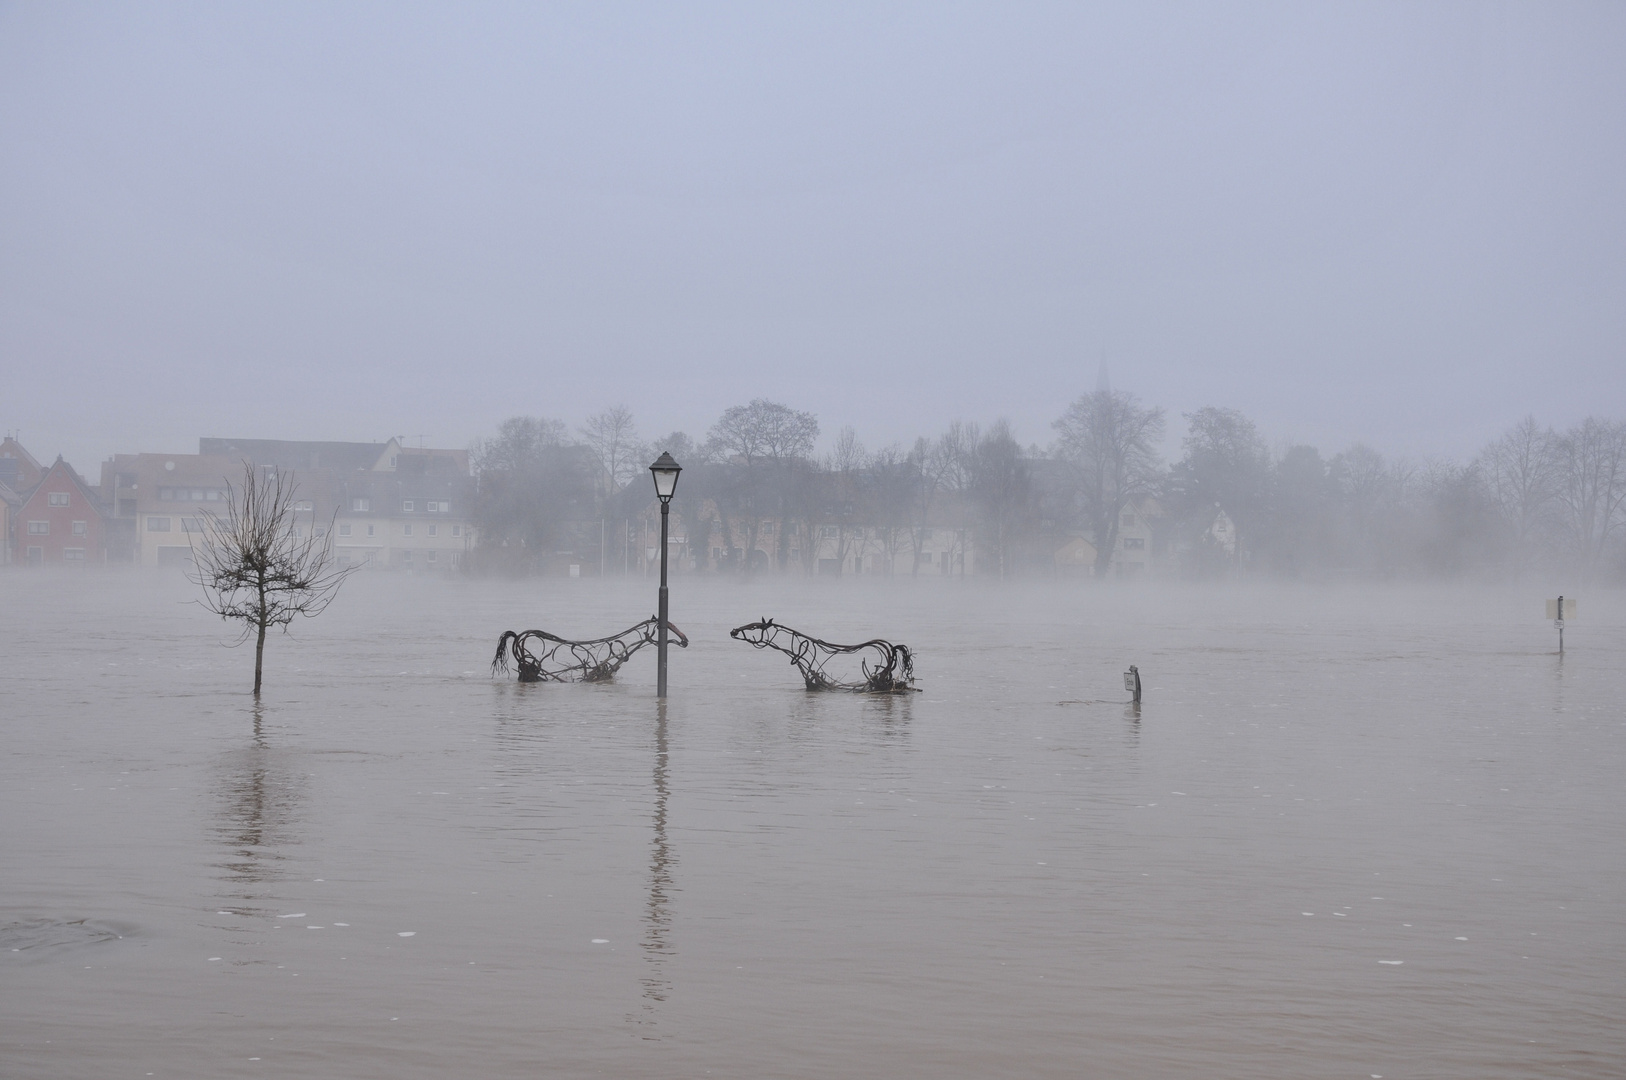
pixel 1592 456
pixel 1521 470
pixel 254 565
pixel 764 430
pixel 614 438
pixel 1112 443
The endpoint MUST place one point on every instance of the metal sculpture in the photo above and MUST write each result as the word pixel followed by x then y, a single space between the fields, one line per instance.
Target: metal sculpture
pixel 558 659
pixel 892 672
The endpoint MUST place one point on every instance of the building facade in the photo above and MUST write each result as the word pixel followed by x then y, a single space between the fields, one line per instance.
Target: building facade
pixel 387 506
pixel 60 521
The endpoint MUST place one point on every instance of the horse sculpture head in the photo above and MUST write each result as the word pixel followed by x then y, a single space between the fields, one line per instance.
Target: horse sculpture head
pixel 756 633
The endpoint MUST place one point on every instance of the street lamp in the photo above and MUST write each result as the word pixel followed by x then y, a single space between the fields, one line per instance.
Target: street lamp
pixel 665 471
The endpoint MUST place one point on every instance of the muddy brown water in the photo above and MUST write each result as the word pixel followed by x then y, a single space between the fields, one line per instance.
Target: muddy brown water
pixel 1350 833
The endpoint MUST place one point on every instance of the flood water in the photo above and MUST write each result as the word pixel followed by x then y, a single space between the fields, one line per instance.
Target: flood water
pixel 1351 832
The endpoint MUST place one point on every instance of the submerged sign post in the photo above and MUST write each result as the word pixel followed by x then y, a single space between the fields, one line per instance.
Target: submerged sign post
pixel 1556 611
pixel 1132 682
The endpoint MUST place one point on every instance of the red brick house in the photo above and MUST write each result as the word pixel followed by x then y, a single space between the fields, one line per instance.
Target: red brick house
pixel 60 521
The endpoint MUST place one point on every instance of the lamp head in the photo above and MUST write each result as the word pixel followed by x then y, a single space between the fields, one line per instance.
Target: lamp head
pixel 665 471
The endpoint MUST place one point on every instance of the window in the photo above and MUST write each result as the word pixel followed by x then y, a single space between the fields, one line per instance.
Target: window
pixel 827 532
pixel 158 524
pixel 59 498
pixel 180 494
pixel 361 504
pixel 1134 543
pixel 369 530
pixel 406 530
pixel 392 461
pixel 297 533
pixel 344 530
pixel 406 506
pixel 432 529
pixel 73 554
pixel 321 531
pixel 430 556
pixel 304 504
pixel 79 528
pixel 192 525
pixel 39 528
pixel 457 530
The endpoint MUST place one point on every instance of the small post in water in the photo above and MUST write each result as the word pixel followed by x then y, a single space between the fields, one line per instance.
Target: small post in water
pixel 1132 682
pixel 1556 609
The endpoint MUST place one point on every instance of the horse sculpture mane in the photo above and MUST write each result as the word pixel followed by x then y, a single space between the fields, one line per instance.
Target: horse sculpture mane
pixel 892 672
pixel 558 659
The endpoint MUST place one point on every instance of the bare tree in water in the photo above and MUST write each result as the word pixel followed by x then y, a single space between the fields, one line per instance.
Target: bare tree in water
pixel 255 567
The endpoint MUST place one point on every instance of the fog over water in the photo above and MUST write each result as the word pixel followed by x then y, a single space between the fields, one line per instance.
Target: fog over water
pixel 1350 831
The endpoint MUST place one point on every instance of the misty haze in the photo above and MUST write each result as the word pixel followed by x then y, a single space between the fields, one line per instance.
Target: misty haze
pixel 1017 541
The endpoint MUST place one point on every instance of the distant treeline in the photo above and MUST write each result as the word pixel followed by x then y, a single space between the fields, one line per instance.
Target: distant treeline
pixel 1535 502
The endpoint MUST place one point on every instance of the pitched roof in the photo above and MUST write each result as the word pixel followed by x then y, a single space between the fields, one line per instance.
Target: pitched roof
pixel 91 495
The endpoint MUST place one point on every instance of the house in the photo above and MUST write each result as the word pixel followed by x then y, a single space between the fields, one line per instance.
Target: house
pixel 387 505
pixel 1132 553
pixel 411 509
pixel 1076 556
pixel 1131 549
pixel 160 501
pixel 60 520
pixel 891 550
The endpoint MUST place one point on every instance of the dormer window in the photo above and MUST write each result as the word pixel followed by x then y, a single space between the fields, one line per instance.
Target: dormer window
pixel 406 506
pixel 361 505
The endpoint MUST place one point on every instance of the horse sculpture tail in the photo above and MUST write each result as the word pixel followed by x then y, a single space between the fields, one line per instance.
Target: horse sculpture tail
pixel 500 661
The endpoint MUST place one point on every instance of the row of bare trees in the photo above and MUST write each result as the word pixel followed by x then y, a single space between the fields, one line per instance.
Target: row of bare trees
pixel 1534 500
pixel 758 495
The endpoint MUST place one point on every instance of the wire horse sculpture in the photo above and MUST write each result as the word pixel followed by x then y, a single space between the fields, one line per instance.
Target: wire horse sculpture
pixel 558 659
pixel 892 673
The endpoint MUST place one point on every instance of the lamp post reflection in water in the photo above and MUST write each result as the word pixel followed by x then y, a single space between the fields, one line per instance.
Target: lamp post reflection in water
pixel 659 919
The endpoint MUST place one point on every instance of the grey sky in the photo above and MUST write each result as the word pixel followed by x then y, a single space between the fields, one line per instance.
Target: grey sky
pixel 1404 224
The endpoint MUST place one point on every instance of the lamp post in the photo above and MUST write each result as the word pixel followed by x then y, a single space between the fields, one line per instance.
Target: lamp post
pixel 665 471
